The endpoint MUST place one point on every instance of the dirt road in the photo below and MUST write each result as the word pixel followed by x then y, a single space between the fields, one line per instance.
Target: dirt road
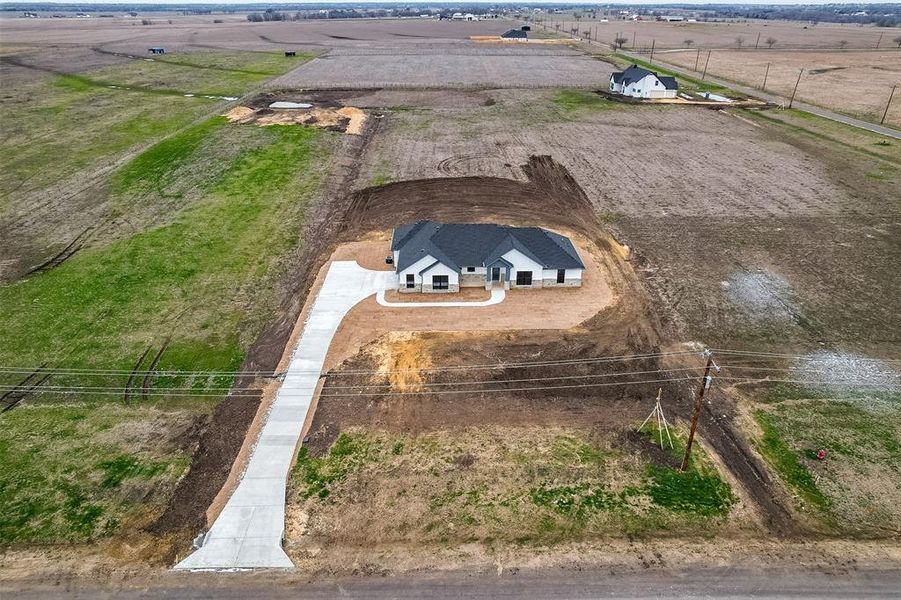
pixel 712 582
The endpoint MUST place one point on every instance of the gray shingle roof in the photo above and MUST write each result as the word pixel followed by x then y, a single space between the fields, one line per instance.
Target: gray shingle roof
pixel 470 245
pixel 636 73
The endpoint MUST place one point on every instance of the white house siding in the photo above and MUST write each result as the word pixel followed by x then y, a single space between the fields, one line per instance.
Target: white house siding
pixel 648 87
pixel 572 278
pixel 415 268
pixel 453 279
pixel 521 262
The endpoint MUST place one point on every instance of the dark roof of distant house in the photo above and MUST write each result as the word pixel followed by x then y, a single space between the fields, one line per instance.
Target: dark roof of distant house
pixel 669 83
pixel 460 245
pixel 514 33
pixel 636 73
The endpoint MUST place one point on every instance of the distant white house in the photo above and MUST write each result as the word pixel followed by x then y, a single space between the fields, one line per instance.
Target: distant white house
pixel 434 257
pixel 637 82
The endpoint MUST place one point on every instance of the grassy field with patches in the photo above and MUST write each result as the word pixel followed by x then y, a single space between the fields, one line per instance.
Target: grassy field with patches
pixel 205 280
pixel 854 490
pixel 530 486
pixel 58 125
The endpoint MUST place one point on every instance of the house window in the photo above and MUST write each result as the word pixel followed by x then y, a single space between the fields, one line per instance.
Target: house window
pixel 523 278
pixel 439 282
pixel 410 281
pixel 470 269
pixel 561 275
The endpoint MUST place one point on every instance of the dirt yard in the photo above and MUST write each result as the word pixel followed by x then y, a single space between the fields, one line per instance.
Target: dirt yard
pixel 460 65
pixel 831 79
pixel 725 35
pixel 521 309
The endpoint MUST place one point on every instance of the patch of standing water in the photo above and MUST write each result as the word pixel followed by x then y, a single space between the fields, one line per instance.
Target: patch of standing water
pixel 762 295
pixel 869 383
pixel 282 104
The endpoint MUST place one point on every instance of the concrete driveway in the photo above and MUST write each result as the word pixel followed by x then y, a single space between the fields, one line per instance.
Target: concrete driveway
pixel 248 532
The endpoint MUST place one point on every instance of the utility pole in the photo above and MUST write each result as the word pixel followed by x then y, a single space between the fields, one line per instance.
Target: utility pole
pixel 705 383
pixel 765 75
pixel 653 42
pixel 792 99
pixel 757 43
pixel 707 62
pixel 697 59
pixel 878 41
pixel 889 103
pixel 634 33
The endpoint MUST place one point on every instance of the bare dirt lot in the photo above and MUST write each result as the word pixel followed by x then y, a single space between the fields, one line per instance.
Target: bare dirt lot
pixel 833 79
pixel 521 309
pixel 464 64
pixel 725 35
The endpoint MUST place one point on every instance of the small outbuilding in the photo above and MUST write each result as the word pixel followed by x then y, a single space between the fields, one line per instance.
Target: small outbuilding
pixel 156 50
pixel 638 82
pixel 516 34
pixel 290 53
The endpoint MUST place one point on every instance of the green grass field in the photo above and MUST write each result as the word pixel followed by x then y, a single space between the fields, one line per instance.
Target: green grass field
pixel 216 209
pixel 56 126
pixel 539 486
pixel 854 490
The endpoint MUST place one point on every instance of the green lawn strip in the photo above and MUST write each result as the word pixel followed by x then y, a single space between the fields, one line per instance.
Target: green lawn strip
pixel 571 104
pixel 69 475
pixel 785 462
pixel 838 133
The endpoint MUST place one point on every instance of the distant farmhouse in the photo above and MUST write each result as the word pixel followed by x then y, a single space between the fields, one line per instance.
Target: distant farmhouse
pixel 641 83
pixel 434 257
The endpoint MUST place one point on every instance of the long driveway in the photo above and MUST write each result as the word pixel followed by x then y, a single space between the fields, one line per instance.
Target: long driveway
pixel 248 532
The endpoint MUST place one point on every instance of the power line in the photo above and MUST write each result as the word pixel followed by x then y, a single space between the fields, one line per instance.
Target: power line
pixel 486 366
pixel 379 386
pixel 798 356
pixel 118 391
pixel 255 393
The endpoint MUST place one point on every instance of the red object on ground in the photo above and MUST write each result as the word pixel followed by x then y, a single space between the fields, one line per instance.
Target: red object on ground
pixel 821 454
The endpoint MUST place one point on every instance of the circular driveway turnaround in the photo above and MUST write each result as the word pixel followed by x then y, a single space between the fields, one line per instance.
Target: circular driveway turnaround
pixel 248 532
pixel 497 296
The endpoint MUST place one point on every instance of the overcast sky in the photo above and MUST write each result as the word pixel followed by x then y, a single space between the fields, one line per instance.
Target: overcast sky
pixel 424 2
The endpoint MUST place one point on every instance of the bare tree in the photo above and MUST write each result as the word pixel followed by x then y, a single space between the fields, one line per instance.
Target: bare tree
pixel 843 43
pixel 770 41
pixel 688 43
pixel 739 41
pixel 618 42
pixel 897 40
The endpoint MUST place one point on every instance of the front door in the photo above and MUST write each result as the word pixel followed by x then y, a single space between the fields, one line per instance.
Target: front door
pixel 495 273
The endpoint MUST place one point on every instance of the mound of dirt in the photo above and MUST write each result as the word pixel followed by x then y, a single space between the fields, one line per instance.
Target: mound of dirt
pixel 346 119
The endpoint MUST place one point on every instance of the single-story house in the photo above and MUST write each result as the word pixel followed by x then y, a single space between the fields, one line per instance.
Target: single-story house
pixel 641 83
pixel 443 257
